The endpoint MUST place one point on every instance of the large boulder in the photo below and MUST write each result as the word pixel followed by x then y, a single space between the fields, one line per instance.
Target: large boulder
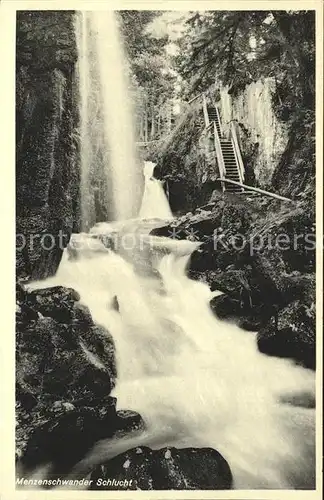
pixel 292 335
pixel 47 172
pixel 65 371
pixel 165 469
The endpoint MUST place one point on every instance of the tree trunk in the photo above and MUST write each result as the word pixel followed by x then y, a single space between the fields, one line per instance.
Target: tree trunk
pixel 152 123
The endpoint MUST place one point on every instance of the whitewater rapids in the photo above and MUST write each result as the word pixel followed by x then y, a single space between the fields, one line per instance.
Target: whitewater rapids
pixel 195 380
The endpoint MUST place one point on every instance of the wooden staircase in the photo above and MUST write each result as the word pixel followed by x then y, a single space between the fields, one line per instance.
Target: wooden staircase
pixel 226 150
pixel 231 167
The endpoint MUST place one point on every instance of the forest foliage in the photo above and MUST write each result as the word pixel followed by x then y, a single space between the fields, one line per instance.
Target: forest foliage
pixel 152 76
pixel 236 48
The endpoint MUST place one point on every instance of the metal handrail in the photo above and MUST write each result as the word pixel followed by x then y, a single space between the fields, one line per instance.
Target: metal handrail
pixel 206 129
pixel 194 98
pixel 256 190
pixel 237 151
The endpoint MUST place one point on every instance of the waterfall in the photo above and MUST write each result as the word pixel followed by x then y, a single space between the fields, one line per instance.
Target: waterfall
pixel 155 202
pixel 195 380
pixel 111 177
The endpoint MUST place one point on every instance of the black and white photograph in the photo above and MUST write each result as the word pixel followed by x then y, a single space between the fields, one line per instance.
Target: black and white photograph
pixel 165 194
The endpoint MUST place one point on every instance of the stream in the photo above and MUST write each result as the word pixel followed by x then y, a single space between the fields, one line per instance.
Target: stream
pixel 195 380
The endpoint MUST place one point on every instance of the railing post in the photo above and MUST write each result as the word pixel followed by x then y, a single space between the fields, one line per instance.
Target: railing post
pixel 219 156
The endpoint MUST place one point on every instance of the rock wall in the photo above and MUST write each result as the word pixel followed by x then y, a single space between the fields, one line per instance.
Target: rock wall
pixel 263 137
pixel 189 174
pixel 46 140
pixel 187 163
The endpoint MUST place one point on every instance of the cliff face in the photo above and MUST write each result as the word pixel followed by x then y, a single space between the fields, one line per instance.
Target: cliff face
pixel 187 162
pixel 263 137
pixel 46 153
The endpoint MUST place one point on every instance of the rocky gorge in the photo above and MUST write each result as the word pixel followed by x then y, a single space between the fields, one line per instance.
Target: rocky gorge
pixel 65 363
pixel 258 252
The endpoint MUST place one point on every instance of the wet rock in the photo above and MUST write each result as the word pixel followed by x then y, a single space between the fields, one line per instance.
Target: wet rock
pixel 65 371
pixel 224 307
pixel 233 282
pixel 199 225
pixel 47 170
pixel 292 335
pixel 128 421
pixel 251 323
pixel 68 434
pixel 56 302
pixel 82 318
pixel 165 469
pixel 302 399
pixel 115 303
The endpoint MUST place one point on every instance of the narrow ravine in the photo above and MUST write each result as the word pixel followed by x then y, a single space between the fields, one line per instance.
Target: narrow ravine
pixel 151 363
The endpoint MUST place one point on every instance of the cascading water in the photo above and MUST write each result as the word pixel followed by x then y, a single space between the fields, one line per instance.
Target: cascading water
pixel 155 202
pixel 196 381
pixel 110 173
